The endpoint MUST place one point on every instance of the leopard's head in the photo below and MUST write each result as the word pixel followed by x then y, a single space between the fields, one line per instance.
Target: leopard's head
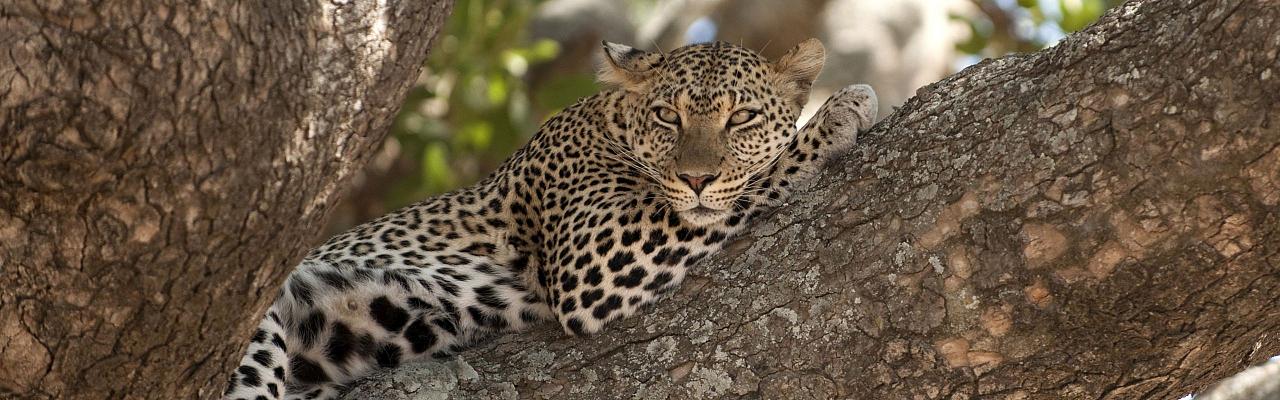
pixel 706 121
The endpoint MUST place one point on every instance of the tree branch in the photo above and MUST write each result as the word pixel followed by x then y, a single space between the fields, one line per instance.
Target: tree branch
pixel 164 163
pixel 1095 220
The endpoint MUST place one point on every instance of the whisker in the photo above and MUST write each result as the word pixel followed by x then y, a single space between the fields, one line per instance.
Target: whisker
pixel 623 155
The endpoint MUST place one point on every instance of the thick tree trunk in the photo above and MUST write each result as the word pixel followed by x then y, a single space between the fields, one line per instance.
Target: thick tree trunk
pixel 1097 220
pixel 163 164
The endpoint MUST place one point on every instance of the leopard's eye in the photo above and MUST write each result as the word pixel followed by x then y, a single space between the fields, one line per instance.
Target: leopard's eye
pixel 667 115
pixel 742 117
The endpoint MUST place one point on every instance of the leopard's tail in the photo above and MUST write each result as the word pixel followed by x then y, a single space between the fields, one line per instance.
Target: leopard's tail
pixel 272 367
pixel 334 323
pixel 262 371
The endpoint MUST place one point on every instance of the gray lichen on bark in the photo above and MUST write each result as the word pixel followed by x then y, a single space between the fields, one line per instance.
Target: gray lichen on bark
pixel 1095 220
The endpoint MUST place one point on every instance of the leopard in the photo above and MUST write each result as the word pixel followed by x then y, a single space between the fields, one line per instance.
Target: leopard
pixel 600 214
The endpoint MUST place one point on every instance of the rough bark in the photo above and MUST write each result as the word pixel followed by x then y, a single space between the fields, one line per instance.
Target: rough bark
pixel 1100 219
pixel 164 164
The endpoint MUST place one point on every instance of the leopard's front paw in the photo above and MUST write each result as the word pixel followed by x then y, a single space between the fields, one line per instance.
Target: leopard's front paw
pixel 836 125
pixel 856 107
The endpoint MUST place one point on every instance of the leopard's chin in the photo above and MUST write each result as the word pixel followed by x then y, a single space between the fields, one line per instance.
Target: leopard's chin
pixel 703 216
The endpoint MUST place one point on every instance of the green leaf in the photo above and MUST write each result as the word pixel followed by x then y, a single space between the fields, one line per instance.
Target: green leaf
pixel 477 135
pixel 497 89
pixel 1077 14
pixel 436 173
pixel 543 50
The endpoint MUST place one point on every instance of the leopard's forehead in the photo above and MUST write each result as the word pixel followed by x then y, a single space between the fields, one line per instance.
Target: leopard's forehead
pixel 712 70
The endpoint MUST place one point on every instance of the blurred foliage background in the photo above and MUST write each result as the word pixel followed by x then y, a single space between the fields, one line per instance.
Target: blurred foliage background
pixel 503 66
pixel 1002 27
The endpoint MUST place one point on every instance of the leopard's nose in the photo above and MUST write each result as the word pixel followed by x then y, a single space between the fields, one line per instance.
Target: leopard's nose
pixel 697 182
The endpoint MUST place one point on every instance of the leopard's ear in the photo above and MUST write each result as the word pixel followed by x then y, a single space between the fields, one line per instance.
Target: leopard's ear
pixel 796 70
pixel 627 67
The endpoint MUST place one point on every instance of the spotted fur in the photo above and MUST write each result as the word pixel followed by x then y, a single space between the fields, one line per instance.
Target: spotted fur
pixel 599 214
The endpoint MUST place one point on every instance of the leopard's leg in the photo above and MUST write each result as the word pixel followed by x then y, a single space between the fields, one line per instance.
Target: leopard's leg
pixel 610 274
pixel 603 275
pixel 831 132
